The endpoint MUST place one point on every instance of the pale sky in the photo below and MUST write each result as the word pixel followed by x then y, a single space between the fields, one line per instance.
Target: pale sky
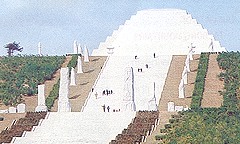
pixel 57 23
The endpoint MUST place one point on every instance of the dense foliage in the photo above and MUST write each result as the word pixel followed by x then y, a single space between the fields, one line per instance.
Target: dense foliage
pixel 211 125
pixel 53 95
pixel 20 75
pixel 73 61
pixel 200 81
pixel 230 63
pixel 208 125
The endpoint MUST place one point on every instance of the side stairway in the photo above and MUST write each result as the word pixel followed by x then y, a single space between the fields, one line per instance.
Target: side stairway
pixel 77 127
pixel 170 92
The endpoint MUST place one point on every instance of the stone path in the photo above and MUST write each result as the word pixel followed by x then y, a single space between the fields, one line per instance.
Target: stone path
pixel 211 96
pixel 84 81
pixel 170 91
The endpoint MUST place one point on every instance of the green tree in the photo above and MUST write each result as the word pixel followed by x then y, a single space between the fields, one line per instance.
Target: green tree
pixel 13 47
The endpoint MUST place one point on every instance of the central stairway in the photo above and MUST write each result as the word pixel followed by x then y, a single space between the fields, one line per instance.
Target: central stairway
pixel 77 127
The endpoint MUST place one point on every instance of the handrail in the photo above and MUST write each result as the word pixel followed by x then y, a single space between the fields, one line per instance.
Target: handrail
pixel 95 83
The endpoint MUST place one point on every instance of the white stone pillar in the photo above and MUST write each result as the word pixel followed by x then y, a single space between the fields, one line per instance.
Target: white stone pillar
pixel 21 108
pixel 171 107
pixel 39 49
pixel 75 47
pixel 184 75
pixel 12 110
pixel 181 89
pixel 187 63
pixel 63 101
pixel 128 97
pixel 152 104
pixel 79 65
pixel 73 77
pixel 86 58
pixel 80 51
pixel 41 99
pixel 191 51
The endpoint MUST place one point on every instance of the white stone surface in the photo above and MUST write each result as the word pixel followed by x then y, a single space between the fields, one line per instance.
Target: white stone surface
pixel 181 89
pixel 75 47
pixel 112 78
pixel 12 110
pixel 80 49
pixel 78 128
pixel 21 108
pixel 187 63
pixel 41 99
pixel 63 101
pixel 79 65
pixel 86 58
pixel 179 108
pixel 191 51
pixel 171 107
pixel 185 75
pixel 152 104
pixel 4 111
pixel 128 95
pixel 73 77
pixel 169 31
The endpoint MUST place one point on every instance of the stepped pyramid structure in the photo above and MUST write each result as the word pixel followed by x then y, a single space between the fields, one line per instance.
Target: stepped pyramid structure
pixel 139 55
pixel 164 31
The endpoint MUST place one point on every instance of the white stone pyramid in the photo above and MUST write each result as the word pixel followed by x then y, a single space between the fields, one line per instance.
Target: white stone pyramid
pixel 166 31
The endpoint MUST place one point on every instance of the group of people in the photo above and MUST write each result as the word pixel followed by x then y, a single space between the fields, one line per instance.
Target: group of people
pixel 107 92
pixel 108 109
pixel 104 108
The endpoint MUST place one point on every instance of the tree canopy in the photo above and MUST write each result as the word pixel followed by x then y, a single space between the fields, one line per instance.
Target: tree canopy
pixel 13 47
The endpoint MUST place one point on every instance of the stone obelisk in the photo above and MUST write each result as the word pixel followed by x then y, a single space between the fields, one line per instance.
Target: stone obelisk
pixel 73 77
pixel 128 98
pixel 181 89
pixel 41 99
pixel 86 58
pixel 63 101
pixel 79 65
pixel 75 47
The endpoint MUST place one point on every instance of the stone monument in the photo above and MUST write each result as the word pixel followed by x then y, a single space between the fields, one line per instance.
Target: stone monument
pixel 73 77
pixel 79 65
pixel 128 97
pixel 86 59
pixel 21 108
pixel 63 101
pixel 184 75
pixel 41 99
pixel 181 89
pixel 191 51
pixel 80 50
pixel 171 107
pixel 75 47
pixel 187 63
pixel 12 110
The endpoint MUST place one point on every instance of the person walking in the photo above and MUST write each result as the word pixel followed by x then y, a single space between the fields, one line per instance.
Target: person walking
pixel 108 108
pixel 104 108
